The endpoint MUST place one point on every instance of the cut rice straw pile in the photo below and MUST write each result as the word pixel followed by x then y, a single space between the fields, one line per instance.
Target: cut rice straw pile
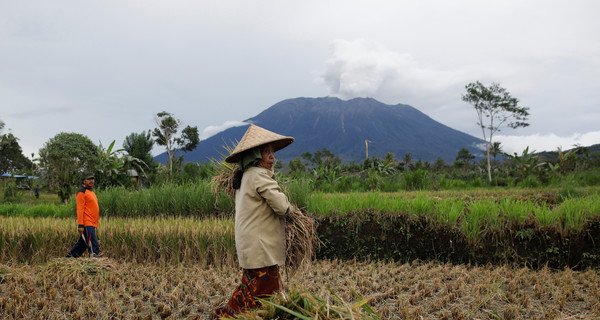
pixel 302 240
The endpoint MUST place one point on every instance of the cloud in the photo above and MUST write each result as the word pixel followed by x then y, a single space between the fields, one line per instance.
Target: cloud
pixel 547 142
pixel 41 112
pixel 212 130
pixel 364 68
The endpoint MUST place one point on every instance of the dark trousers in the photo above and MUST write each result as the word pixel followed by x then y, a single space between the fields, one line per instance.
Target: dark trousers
pixel 90 243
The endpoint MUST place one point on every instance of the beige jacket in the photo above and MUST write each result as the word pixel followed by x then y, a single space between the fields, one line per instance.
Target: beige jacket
pixel 260 208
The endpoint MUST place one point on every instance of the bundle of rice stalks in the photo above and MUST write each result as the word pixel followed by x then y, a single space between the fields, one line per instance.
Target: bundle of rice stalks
pixel 222 181
pixel 302 241
pixel 301 304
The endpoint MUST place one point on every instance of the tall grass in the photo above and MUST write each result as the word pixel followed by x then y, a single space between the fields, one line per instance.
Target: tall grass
pixel 298 191
pixel 153 240
pixel 517 211
pixel 192 199
pixel 195 199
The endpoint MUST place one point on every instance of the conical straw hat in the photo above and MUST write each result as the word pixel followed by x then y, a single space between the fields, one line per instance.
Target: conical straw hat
pixel 256 136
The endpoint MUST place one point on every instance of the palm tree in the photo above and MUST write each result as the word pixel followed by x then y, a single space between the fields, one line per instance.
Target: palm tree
pixel 407 160
pixel 496 150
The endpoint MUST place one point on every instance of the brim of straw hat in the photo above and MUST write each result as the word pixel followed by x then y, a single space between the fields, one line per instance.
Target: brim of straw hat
pixel 256 136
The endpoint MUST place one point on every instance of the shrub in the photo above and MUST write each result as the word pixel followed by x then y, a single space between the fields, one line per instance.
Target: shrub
pixel 348 183
pixel 529 182
pixel 373 181
pixel 416 180
pixel 477 183
pixel 11 192
pixel 391 184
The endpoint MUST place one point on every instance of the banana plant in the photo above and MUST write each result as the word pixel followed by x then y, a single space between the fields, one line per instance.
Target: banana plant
pixel 113 165
pixel 527 162
pixel 565 159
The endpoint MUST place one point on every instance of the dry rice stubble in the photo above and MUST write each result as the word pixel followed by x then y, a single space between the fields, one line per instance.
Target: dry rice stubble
pixel 189 292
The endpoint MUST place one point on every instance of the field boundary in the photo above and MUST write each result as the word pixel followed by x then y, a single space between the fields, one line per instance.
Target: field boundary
pixel 402 237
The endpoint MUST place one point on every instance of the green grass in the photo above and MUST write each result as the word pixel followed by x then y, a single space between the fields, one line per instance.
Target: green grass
pixel 448 211
pixel 475 214
pixel 27 197
pixel 572 214
pixel 481 217
pixel 324 204
pixel 39 210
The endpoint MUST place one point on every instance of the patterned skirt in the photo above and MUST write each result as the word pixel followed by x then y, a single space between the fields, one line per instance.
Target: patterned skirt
pixel 256 283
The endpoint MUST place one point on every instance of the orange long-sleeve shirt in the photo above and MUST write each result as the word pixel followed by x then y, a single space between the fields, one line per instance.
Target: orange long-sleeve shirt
pixel 88 211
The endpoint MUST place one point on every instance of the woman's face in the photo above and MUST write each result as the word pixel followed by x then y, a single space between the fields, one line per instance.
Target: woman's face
pixel 268 157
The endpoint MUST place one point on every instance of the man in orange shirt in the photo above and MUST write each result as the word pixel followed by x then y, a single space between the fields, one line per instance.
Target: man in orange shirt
pixel 88 214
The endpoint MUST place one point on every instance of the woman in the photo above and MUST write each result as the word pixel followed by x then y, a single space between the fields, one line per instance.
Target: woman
pixel 260 209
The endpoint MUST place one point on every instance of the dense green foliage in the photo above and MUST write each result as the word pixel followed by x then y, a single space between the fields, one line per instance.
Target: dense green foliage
pixel 139 145
pixel 11 155
pixel 66 157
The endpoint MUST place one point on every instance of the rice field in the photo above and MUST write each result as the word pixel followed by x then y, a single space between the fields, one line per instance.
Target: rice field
pixel 470 210
pixel 423 227
pixel 171 255
pixel 159 240
pixel 105 288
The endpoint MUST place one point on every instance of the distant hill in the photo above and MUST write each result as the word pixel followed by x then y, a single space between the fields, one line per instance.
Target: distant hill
pixel 342 127
pixel 553 155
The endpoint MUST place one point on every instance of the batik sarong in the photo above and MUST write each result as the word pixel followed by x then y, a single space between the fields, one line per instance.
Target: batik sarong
pixel 256 284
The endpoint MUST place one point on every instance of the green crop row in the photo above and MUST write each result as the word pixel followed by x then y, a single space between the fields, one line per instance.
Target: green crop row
pixel 193 199
pixel 196 199
pixel 472 216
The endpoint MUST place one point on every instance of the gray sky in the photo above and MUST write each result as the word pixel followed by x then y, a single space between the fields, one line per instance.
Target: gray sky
pixel 105 68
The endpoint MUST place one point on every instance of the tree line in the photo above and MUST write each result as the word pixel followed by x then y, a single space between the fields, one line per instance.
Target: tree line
pixel 65 157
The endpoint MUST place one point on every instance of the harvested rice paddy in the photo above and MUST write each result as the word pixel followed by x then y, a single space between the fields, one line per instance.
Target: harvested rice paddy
pixel 104 288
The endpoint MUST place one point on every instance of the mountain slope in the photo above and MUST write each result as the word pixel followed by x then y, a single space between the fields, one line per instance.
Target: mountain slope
pixel 343 126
